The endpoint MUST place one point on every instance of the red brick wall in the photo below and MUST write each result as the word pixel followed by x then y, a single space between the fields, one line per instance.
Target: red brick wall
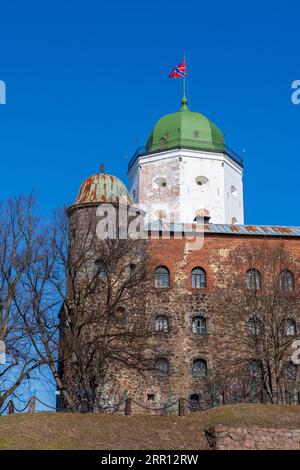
pixel 172 253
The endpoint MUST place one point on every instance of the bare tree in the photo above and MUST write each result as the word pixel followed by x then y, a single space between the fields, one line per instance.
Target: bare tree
pixel 259 300
pixel 20 239
pixel 102 286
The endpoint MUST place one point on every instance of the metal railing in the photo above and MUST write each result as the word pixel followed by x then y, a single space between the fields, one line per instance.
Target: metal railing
pixel 187 144
pixel 214 396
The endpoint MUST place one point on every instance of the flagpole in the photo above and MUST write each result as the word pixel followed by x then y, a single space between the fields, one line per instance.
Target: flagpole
pixel 184 78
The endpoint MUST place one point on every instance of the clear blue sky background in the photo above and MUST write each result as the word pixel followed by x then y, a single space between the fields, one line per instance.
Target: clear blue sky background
pixel 85 80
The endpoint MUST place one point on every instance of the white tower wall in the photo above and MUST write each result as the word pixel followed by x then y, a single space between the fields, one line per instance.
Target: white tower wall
pixel 166 185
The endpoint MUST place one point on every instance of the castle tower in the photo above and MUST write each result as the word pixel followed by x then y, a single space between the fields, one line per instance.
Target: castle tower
pixel 186 171
pixel 105 284
pixel 97 189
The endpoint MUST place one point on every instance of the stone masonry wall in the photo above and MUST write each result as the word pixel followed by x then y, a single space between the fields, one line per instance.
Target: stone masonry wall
pixel 180 346
pixel 180 303
pixel 254 438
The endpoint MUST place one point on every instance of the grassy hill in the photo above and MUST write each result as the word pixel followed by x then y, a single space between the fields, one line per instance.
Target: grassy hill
pixel 96 431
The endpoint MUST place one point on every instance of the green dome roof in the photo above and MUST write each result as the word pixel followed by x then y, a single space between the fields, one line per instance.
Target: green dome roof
pixel 185 129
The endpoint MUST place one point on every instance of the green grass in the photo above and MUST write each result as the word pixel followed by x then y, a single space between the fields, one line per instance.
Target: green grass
pixel 64 431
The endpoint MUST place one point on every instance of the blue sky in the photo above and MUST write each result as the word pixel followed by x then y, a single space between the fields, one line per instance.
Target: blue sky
pixel 86 81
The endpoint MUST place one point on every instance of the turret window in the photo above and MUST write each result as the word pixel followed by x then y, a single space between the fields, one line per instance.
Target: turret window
pixel 120 314
pixel 132 270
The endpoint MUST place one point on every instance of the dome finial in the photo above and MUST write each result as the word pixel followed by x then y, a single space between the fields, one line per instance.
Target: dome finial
pixel 184 102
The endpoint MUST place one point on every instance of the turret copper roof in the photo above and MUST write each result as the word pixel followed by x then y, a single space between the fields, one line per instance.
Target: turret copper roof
pixel 103 188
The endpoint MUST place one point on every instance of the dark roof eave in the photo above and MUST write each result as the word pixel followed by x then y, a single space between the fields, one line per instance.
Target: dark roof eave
pixel 225 229
pixel 141 152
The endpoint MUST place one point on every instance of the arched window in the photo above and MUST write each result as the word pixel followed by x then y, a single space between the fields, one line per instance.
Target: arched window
pixel 132 268
pixel 162 277
pixel 291 370
pixel 198 278
pixel 290 327
pixel 162 367
pixel 233 221
pixel 161 323
pixel 254 326
pixel 199 368
pixel 100 270
pixel 195 399
pixel 253 279
pixel 287 282
pixel 199 325
pixel 201 180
